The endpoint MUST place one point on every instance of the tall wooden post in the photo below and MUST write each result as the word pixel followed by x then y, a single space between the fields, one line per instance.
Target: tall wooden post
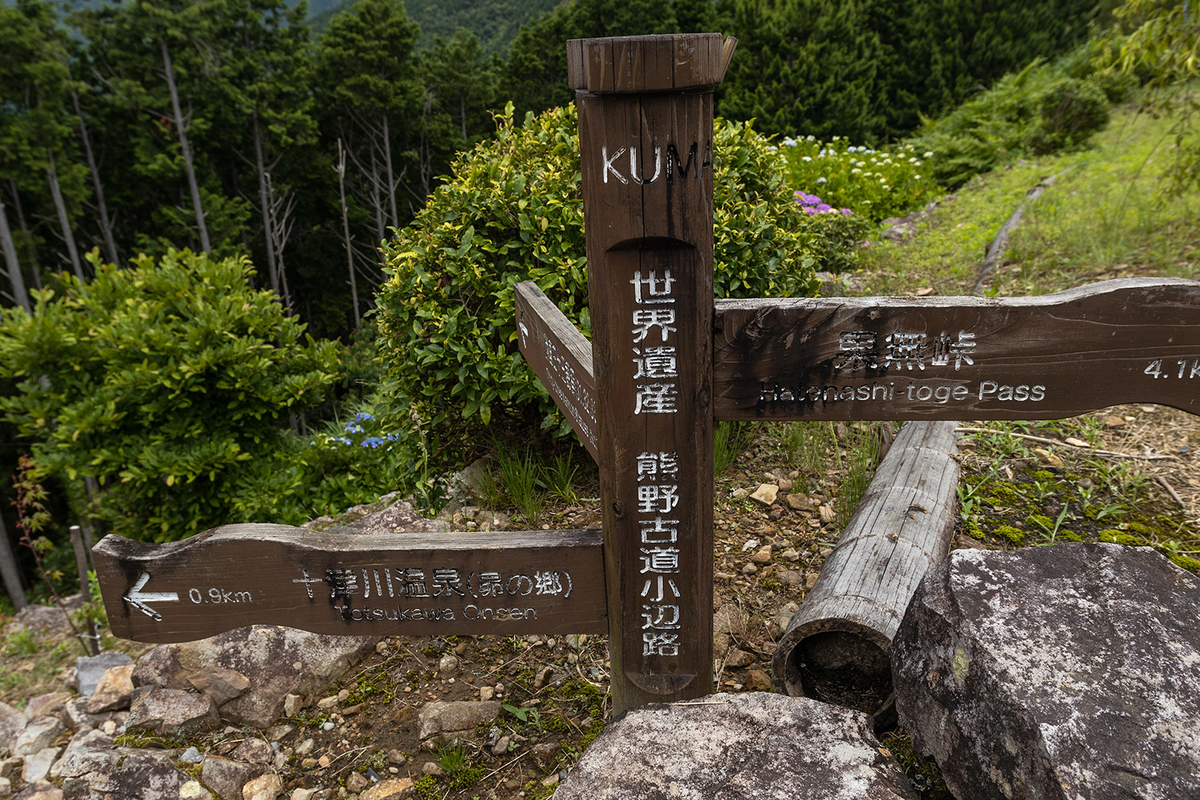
pixel 646 131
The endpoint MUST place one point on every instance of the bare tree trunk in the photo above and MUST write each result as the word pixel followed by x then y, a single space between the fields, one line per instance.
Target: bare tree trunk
pixel 281 229
pixel 63 219
pixel 377 198
pixel 8 562
pixel 186 148
pixel 31 251
pixel 110 243
pixel 341 171
pixel 17 281
pixel 462 114
pixel 265 202
pixel 391 182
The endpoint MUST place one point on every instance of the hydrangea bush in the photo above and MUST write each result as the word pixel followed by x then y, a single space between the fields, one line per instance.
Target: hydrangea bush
pixel 875 184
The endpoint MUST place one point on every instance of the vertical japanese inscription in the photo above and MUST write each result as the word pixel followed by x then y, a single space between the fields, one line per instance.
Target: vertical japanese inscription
pixel 647 188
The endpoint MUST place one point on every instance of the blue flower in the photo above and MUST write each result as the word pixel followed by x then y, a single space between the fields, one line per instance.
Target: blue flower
pixel 363 416
pixel 372 441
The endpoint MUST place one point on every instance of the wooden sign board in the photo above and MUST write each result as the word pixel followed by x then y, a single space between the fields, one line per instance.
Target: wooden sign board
pixel 353 584
pixel 561 357
pixel 879 358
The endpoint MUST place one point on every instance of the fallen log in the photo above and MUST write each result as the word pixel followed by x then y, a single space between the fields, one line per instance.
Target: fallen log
pixel 837 645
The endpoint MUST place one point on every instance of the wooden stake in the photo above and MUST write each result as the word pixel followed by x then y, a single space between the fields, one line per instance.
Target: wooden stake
pixel 646 133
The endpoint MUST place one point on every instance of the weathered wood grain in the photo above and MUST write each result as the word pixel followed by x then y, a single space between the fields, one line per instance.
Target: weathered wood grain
pixel 646 164
pixel 935 358
pixel 561 357
pixel 901 528
pixel 353 584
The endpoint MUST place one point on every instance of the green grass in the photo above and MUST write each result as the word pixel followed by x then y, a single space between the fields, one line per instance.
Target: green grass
pixel 1104 217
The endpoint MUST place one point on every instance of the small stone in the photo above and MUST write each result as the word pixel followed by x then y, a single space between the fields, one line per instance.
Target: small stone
pixel 356 782
pixel 433 768
pixel 193 790
pixel 486 693
pixel 323 762
pixel 1113 422
pixel 343 695
pixel 396 757
pixel 501 746
pixel 309 764
pixel 221 684
pixel 89 670
pixel 799 502
pixel 758 680
pixel 5 788
pixel 448 664
pixel 739 493
pixel 827 514
pixel 791 578
pixel 37 765
pixel 326 703
pixel 37 735
pixel 9 767
pixel 304 794
pixel 551 780
pixel 46 704
pixel 173 712
pixel 266 787
pixel 390 789
pixel 460 648
pixel 784 615
pixel 749 569
pixel 750 545
pixel 765 494
pixel 1074 442
pixel 381 647
pixel 328 726
pixel 277 733
pixel 254 751
pixel 540 680
pixel 41 791
pixel 305 747
pixel 790 555
pixel 545 756
pixel 763 556
pixel 447 718
pixel 293 704
pixel 776 513
pixel 738 659
pixel 192 756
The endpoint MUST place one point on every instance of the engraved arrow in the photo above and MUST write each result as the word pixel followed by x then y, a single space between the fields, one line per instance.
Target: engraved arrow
pixel 138 599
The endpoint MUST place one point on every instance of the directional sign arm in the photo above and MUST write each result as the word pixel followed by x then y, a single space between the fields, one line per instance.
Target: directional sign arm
pixel 339 582
pixel 561 357
pixel 950 358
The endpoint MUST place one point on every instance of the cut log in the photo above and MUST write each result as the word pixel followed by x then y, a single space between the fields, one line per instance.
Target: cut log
pixel 837 646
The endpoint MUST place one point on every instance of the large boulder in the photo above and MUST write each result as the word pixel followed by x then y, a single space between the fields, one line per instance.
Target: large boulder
pixel 273 661
pixel 12 722
pixel 760 746
pixel 138 775
pixel 1069 671
pixel 172 712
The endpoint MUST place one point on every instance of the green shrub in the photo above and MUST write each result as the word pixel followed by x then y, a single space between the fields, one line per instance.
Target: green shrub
pixel 172 383
pixel 513 212
pixel 1071 111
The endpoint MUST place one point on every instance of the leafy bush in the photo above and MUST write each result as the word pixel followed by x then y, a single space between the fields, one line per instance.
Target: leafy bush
pixel 172 383
pixel 873 183
pixel 1071 111
pixel 1040 107
pixel 513 212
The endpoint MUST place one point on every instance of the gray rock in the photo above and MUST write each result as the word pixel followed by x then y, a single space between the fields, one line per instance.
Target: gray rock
pixel 89 670
pixel 46 704
pixel 253 751
pixel 12 722
pixel 390 789
pixel 760 746
pixel 192 756
pixel 40 790
pixel 138 775
pixel 222 685
pixel 88 750
pixel 172 712
pixel 398 518
pixel 450 718
pixel 264 787
pixel 74 714
pixel 226 777
pixel 37 765
pixel 37 735
pixel 1070 671
pixel 283 661
pixel 5 788
pixel 113 692
pixel 46 619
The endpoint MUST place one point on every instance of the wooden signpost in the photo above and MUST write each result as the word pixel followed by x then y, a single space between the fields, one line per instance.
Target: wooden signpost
pixel 664 362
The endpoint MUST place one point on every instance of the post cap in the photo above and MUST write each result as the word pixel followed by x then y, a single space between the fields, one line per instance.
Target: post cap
pixel 660 63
